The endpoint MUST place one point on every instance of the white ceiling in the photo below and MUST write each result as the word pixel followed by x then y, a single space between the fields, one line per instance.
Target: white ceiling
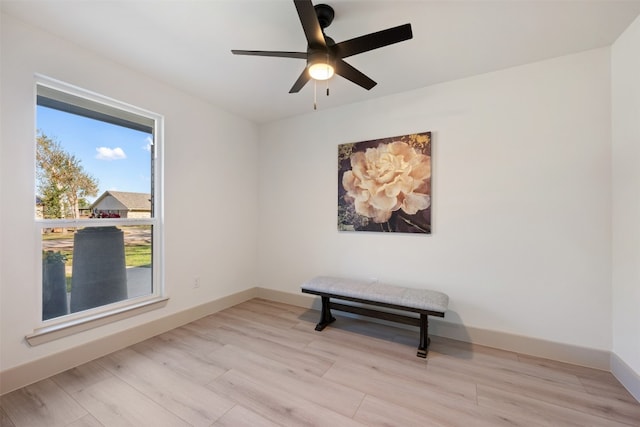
pixel 188 43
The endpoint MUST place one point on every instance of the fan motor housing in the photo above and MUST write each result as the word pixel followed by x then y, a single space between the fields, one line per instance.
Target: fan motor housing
pixel 325 15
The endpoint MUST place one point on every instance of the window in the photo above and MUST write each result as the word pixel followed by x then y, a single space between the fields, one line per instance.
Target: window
pixel 97 204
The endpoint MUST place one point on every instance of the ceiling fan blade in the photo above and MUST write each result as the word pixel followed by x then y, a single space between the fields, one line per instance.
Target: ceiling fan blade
pixel 299 55
pixel 350 73
pixel 373 41
pixel 302 80
pixel 310 24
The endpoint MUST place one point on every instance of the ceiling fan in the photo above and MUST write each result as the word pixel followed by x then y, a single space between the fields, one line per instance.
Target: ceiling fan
pixel 324 56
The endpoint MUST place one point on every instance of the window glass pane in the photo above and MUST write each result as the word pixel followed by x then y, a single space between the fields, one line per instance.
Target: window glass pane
pixel 90 267
pixel 87 167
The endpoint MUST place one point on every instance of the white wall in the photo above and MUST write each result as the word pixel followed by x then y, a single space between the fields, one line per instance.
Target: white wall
pixel 521 199
pixel 626 198
pixel 210 225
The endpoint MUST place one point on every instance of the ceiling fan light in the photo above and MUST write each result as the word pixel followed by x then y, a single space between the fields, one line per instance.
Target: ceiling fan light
pixel 321 71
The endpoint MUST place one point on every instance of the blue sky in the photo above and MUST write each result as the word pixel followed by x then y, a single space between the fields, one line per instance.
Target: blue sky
pixel 118 157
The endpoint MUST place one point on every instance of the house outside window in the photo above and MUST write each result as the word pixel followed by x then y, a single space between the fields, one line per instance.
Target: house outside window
pixel 98 204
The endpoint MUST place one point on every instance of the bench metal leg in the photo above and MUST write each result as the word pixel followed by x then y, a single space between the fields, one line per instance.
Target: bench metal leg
pixel 325 314
pixel 423 348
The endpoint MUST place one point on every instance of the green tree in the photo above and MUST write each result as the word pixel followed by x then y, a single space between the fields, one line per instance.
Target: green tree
pixel 51 201
pixel 62 180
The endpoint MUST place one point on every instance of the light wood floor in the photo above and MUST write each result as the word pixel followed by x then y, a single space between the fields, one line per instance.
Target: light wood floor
pixel 262 364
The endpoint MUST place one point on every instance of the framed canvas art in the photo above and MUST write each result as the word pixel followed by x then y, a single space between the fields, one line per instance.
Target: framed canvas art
pixel 384 185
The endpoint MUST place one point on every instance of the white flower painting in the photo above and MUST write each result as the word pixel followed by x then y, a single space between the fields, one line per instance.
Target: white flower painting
pixel 385 185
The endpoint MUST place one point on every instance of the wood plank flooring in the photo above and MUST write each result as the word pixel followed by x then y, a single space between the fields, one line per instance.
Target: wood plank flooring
pixel 262 363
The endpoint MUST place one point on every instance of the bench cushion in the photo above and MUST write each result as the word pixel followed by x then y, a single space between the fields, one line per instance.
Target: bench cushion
pixel 423 299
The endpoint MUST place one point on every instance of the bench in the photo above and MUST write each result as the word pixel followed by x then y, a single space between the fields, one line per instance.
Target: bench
pixel 422 301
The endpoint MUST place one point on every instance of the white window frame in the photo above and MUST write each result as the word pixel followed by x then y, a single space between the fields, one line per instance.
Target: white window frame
pixel 54 328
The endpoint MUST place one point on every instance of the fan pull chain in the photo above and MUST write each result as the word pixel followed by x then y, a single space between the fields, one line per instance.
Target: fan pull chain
pixel 328 59
pixel 315 95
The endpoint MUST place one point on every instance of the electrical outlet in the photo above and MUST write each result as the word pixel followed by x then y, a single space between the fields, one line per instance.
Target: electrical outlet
pixel 196 283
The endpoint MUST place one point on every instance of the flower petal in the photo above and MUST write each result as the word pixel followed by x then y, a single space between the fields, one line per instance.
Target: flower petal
pixel 415 202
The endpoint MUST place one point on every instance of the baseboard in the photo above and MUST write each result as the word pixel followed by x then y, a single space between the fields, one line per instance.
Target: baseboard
pixel 592 358
pixel 299 300
pixel 31 372
pixel 573 354
pixel 629 378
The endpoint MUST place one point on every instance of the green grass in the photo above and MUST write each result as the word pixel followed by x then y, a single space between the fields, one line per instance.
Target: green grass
pixel 138 255
pixel 135 256
pixel 57 236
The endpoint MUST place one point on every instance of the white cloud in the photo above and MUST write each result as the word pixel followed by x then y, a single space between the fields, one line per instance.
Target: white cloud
pixel 106 153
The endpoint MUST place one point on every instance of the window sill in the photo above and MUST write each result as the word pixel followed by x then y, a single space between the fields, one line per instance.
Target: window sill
pixel 54 332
